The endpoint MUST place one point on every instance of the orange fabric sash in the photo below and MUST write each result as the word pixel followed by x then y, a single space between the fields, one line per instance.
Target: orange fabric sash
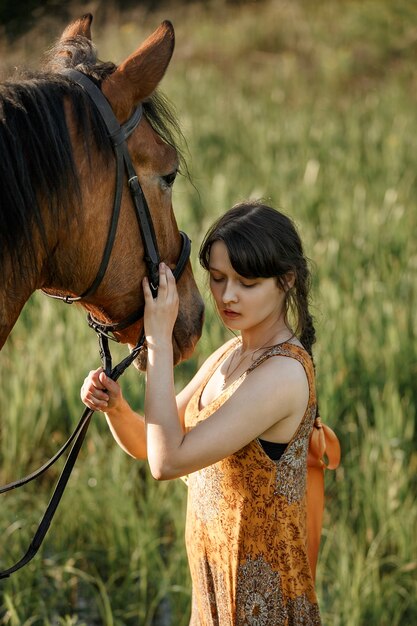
pixel 323 443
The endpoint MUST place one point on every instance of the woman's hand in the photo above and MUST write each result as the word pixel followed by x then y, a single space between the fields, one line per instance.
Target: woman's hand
pixel 101 393
pixel 162 311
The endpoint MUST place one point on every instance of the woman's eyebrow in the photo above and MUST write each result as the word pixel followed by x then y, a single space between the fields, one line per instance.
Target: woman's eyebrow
pixel 214 269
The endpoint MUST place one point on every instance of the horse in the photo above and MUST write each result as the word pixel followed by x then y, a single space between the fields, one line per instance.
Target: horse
pixel 58 180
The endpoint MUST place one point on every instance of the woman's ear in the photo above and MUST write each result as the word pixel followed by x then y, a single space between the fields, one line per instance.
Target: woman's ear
pixel 288 280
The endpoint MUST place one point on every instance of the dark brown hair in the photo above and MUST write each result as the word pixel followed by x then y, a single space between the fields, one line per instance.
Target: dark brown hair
pixel 264 243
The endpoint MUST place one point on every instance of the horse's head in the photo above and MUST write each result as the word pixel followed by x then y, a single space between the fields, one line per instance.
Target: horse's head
pixel 78 252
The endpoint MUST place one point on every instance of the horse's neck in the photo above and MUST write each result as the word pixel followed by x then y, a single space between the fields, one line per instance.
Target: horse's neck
pixel 14 293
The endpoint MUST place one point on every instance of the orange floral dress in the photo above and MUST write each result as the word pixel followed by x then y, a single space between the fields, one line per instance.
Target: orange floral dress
pixel 246 524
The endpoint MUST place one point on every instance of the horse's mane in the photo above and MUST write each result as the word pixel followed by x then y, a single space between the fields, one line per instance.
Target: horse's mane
pixel 36 159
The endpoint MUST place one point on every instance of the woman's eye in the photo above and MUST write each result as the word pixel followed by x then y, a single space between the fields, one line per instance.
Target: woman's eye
pixel 169 178
pixel 216 279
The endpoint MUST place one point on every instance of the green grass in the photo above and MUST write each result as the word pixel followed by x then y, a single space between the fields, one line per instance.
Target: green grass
pixel 311 106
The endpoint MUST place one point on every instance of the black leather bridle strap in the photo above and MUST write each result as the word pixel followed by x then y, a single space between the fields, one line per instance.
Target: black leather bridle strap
pixel 118 135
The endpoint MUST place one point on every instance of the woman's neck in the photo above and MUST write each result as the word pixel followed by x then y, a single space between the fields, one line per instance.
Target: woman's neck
pixel 268 335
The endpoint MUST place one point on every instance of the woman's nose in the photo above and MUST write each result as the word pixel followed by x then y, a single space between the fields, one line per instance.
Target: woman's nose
pixel 229 293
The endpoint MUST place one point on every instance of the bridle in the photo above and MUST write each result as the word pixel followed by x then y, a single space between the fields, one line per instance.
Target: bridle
pixel 118 135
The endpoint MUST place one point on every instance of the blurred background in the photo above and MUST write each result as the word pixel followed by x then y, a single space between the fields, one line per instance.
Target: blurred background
pixel 311 106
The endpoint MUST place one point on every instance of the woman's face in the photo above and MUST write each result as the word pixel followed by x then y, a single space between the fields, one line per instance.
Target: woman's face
pixel 243 303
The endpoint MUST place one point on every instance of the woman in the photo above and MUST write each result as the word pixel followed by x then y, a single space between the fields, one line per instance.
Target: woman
pixel 240 429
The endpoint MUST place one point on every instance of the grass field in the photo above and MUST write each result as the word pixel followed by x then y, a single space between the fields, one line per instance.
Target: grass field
pixel 311 106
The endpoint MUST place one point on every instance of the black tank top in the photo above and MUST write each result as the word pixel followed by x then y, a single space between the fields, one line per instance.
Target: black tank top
pixel 272 449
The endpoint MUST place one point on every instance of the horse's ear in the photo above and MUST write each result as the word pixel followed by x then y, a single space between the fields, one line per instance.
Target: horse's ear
pixel 139 75
pixel 80 27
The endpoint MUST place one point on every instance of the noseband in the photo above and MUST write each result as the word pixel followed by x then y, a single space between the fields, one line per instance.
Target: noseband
pixel 118 136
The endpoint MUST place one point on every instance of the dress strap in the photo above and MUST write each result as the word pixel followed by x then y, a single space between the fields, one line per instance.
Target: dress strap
pixel 291 350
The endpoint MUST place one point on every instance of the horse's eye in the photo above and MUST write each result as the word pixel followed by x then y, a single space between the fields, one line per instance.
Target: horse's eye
pixel 169 178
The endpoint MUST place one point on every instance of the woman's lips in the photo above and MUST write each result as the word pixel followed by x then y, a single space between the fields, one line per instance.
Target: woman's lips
pixel 230 314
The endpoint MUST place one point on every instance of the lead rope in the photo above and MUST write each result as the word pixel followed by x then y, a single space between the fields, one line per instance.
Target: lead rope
pixel 78 438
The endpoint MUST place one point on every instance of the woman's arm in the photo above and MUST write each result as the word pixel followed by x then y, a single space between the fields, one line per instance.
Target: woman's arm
pixel 101 393
pixel 128 429
pixel 277 391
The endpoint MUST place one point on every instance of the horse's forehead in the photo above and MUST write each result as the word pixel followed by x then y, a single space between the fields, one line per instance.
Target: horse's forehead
pixel 151 148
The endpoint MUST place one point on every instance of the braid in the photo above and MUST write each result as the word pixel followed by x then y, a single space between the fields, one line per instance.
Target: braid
pixel 298 301
pixel 305 319
pixel 308 336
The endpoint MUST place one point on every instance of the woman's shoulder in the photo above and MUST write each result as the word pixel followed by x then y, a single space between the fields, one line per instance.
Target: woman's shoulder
pixel 292 362
pixel 278 387
pixel 298 359
pixel 294 372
